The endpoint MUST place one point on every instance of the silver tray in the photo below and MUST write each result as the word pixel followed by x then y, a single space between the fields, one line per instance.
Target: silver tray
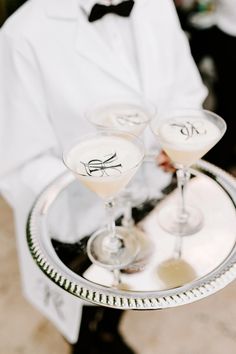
pixel 66 213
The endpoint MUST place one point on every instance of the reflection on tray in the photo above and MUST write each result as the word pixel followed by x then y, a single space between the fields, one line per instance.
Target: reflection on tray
pixel 175 272
pixel 74 255
pixel 158 268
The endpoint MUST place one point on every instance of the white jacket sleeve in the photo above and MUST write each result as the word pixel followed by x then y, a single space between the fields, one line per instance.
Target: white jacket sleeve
pixel 27 139
pixel 185 86
pixel 25 129
pixel 36 174
pixel 188 89
pixel 28 162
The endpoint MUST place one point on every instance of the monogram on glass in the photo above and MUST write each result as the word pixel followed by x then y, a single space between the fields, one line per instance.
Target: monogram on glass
pixel 105 162
pixel 185 135
pixel 131 116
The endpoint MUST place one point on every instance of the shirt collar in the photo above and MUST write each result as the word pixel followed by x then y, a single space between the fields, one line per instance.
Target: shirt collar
pixel 87 5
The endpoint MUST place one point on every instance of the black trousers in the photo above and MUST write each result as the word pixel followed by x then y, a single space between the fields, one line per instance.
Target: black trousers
pixel 221 47
pixel 99 332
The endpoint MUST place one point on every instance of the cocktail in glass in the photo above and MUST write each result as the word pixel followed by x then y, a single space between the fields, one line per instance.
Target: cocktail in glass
pixel 128 116
pixel 186 135
pixel 105 162
pixel 133 117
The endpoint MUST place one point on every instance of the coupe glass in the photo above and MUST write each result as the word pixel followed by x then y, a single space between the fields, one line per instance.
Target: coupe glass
pixel 105 162
pixel 128 116
pixel 186 135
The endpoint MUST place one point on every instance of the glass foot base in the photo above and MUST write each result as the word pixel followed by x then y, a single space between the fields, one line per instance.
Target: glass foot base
pixel 168 220
pixel 102 252
pixel 146 250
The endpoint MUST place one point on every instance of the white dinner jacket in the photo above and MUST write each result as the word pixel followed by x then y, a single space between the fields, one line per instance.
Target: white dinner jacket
pixel 53 67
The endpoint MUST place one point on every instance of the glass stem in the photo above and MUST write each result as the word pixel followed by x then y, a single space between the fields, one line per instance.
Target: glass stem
pixel 127 220
pixel 111 243
pixel 116 278
pixel 178 247
pixel 183 176
pixel 109 204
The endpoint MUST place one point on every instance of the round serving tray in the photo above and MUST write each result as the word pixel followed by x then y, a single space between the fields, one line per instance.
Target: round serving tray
pixel 65 214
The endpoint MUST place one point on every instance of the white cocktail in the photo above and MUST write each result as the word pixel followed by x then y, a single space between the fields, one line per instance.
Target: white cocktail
pixel 186 135
pixel 105 162
pixel 128 117
pixel 111 161
pixel 187 140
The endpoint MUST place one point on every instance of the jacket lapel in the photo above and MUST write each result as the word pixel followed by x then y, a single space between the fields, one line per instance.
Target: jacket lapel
pixel 146 38
pixel 61 9
pixel 89 44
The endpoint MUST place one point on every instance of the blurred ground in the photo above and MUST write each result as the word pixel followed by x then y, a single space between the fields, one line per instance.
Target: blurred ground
pixel 22 329
pixel 207 326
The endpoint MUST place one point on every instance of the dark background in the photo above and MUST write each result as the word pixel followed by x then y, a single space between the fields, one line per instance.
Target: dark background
pixel 7 7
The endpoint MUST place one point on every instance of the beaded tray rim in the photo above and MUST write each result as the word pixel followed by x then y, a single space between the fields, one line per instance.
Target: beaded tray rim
pixel 57 272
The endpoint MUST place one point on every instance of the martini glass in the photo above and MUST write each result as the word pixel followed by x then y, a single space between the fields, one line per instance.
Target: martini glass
pixel 105 162
pixel 131 117
pixel 186 135
pixel 128 116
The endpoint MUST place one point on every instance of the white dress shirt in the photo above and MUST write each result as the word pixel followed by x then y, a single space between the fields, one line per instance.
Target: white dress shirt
pixel 117 32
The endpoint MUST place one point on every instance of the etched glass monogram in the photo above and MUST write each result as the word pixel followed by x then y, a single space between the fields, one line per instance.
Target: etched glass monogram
pixel 100 168
pixel 130 119
pixel 190 129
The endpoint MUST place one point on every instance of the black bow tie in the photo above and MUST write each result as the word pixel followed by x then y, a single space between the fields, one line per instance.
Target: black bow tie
pixel 122 9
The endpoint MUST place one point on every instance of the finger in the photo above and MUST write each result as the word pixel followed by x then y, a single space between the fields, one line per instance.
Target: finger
pixel 162 158
pixel 167 167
